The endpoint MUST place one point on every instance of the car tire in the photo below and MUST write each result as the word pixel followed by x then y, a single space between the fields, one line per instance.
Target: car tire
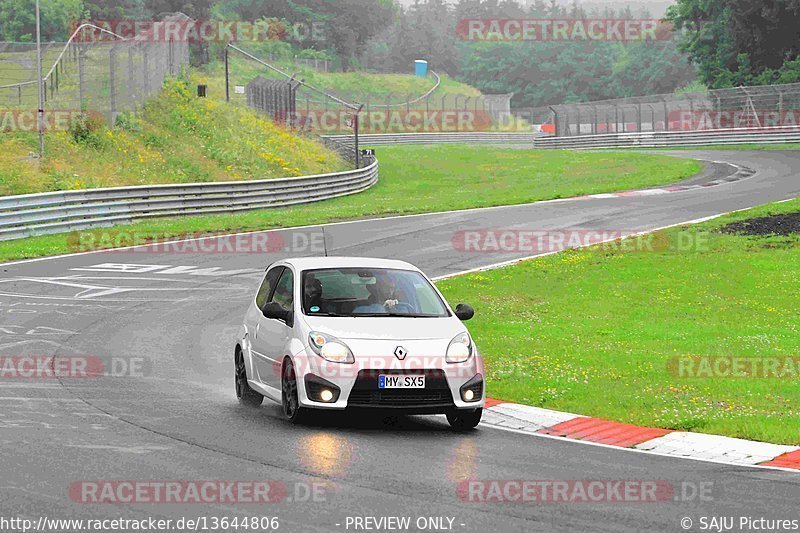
pixel 289 399
pixel 244 393
pixel 463 420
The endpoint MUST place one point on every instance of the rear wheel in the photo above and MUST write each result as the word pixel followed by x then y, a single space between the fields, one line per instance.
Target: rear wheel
pixel 289 395
pixel 463 420
pixel 246 395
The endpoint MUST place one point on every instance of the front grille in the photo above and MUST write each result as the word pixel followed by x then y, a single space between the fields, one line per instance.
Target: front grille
pixel 436 393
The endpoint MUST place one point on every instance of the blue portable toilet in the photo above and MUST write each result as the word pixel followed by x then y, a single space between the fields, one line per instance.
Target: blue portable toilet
pixel 421 67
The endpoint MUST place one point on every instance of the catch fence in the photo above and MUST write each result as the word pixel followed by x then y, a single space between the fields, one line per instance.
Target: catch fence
pixel 95 71
pixel 735 108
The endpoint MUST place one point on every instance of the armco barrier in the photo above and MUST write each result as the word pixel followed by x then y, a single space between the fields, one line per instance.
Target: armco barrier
pixel 662 139
pixel 383 139
pixel 57 212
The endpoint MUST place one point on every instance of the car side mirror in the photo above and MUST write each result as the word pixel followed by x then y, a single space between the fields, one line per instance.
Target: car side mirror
pixel 274 311
pixel 464 312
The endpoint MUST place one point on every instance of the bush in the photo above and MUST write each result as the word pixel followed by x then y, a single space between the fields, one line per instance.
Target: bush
pixel 86 129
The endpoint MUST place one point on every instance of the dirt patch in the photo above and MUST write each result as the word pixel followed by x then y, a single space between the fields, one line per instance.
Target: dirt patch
pixel 772 225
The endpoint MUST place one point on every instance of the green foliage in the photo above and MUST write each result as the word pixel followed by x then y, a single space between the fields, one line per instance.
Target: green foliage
pixel 538 73
pixel 594 331
pixel 176 138
pixel 739 42
pixel 346 24
pixel 86 130
pixel 18 19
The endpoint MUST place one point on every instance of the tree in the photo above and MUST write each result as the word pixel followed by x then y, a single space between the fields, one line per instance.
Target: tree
pixel 115 9
pixel 737 42
pixel 348 24
pixel 18 19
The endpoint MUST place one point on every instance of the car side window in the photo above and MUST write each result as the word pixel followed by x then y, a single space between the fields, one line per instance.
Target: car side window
pixel 284 290
pixel 268 286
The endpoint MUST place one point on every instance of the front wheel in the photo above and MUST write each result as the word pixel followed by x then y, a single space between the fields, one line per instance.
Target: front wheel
pixel 289 399
pixel 244 393
pixel 462 420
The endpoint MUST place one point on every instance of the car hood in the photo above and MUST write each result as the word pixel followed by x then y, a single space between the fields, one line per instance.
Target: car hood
pixel 386 328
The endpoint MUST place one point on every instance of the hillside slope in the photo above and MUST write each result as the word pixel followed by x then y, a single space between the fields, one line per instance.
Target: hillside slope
pixel 177 138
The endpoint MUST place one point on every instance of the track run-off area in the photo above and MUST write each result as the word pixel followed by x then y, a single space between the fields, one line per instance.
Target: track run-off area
pixel 163 324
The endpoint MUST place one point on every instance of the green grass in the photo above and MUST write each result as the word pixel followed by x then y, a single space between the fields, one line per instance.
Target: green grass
pixel 733 147
pixel 352 86
pixel 420 179
pixel 593 331
pixel 177 138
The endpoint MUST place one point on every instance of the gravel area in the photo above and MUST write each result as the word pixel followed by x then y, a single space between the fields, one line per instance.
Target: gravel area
pixel 773 225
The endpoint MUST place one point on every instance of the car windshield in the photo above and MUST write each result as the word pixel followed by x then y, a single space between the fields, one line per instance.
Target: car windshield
pixel 370 292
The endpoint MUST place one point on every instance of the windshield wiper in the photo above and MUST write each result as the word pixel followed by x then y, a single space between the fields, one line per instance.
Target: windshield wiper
pixel 393 315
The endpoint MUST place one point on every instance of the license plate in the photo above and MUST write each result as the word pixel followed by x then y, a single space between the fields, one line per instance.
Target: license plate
pixel 401 382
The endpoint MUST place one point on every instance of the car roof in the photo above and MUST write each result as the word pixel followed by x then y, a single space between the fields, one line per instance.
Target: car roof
pixel 313 263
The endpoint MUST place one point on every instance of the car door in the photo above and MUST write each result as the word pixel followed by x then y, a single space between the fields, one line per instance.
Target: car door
pixel 273 334
pixel 254 320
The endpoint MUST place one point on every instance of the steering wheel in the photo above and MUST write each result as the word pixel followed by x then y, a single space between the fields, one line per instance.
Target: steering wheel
pixel 402 307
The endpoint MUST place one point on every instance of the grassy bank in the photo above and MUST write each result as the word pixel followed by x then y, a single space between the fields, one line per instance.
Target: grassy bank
pixel 352 86
pixel 599 331
pixel 177 138
pixel 420 179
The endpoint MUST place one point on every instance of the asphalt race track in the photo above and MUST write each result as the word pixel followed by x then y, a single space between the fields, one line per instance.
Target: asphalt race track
pixel 177 417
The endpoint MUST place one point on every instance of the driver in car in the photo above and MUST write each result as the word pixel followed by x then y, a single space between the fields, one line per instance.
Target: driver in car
pixel 386 290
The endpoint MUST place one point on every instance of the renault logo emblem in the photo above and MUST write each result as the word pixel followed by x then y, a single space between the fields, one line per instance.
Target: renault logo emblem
pixel 400 352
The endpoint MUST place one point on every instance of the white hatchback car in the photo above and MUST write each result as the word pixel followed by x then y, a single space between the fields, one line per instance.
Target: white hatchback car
pixel 336 333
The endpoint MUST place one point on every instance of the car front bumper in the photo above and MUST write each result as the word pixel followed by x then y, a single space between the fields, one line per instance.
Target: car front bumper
pixel 356 385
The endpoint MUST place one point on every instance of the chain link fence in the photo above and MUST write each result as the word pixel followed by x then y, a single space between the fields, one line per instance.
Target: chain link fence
pixel 95 72
pixel 326 112
pixel 766 106
pixel 301 107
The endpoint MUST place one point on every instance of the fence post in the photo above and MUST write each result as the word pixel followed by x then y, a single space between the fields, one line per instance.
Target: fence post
pixel 131 81
pixel 227 82
pixel 112 79
pixel 145 71
pixel 81 89
pixel 555 119
pixel 639 117
pixel 170 57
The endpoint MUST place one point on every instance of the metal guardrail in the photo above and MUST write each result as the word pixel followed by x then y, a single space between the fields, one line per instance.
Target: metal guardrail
pixel 383 139
pixel 57 212
pixel 662 139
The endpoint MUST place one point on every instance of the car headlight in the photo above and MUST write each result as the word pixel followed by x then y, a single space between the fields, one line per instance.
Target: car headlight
pixel 460 349
pixel 330 348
